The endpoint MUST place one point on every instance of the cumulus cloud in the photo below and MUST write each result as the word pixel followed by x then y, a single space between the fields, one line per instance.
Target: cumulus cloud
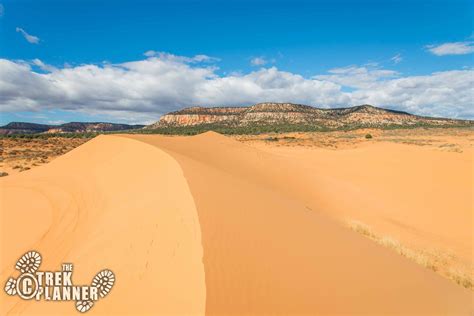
pixel 455 48
pixel 446 94
pixel 150 53
pixel 269 84
pixel 41 65
pixel 29 38
pixel 194 59
pixel 258 61
pixel 358 77
pixel 142 90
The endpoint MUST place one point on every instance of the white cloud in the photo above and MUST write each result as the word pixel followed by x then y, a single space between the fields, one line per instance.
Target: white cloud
pixel 43 66
pixel 447 94
pixel 56 122
pixel 258 61
pixel 358 77
pixel 455 48
pixel 140 91
pixel 167 56
pixel 397 58
pixel 30 38
pixel 269 84
pixel 150 53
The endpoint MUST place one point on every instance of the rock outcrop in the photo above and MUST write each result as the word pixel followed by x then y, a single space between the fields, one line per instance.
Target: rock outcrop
pixel 297 114
pixel 72 127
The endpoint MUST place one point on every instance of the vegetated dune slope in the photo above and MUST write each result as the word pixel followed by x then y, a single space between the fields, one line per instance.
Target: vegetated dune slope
pixel 111 203
pixel 270 248
pixel 252 230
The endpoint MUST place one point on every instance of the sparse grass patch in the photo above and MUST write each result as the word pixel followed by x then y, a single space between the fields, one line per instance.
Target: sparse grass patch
pixel 361 228
pixel 408 141
pixel 434 260
pixel 348 136
pixel 271 139
pixel 461 278
pixel 447 145
pixel 20 154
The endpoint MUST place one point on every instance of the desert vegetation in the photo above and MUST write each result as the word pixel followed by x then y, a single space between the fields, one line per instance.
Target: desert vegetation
pixel 435 260
pixel 85 135
pixel 23 152
pixel 445 139
pixel 257 129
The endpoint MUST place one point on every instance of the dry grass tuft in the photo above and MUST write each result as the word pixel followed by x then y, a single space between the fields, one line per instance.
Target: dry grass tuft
pixel 461 278
pixel 434 260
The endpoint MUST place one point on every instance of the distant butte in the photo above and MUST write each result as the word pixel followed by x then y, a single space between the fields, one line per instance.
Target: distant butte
pixel 262 114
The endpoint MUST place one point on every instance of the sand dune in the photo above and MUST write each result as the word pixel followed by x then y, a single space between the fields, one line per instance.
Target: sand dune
pixel 421 196
pixel 206 224
pixel 112 203
pixel 270 248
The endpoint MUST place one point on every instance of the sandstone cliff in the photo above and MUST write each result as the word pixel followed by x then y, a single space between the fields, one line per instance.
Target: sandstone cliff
pixel 296 114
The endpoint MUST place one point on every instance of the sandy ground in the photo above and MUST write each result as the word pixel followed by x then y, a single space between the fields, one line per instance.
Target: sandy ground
pixel 392 184
pixel 210 224
pixel 112 203
pixel 443 139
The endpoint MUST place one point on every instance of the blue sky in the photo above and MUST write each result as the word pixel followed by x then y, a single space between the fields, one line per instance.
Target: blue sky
pixel 277 50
